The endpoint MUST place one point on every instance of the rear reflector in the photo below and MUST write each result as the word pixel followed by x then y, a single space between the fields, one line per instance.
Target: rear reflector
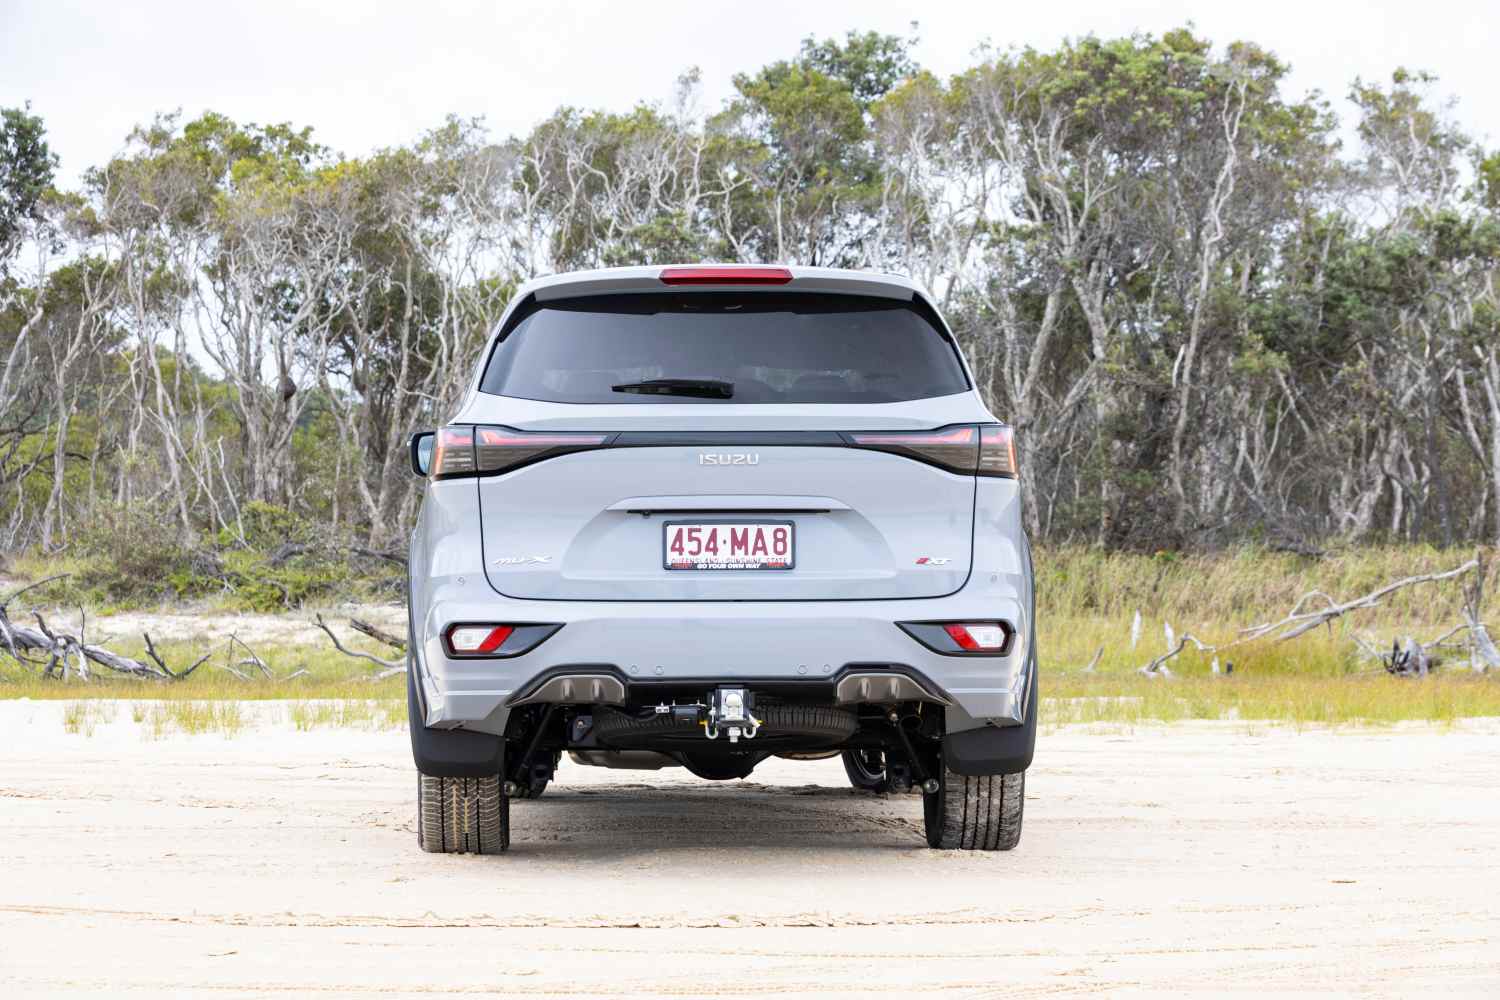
pixel 991 638
pixel 472 640
pixel 725 276
pixel 978 638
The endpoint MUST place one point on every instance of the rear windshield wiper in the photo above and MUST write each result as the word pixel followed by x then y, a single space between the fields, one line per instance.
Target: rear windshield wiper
pixel 705 388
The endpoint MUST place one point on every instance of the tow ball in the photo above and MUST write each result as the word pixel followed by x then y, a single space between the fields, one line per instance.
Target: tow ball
pixel 731 711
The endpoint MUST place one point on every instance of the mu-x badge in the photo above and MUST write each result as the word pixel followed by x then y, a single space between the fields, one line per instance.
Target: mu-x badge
pixel 729 458
pixel 520 560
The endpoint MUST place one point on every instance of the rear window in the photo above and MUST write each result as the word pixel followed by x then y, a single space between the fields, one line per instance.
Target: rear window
pixel 768 347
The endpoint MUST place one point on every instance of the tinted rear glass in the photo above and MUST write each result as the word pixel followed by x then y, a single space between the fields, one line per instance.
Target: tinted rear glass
pixel 772 347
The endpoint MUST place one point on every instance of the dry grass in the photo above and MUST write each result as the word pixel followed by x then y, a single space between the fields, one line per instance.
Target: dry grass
pixel 191 718
pixel 355 713
pixel 1241 584
pixel 158 719
pixel 1088 599
pixel 1074 698
pixel 327 674
pixel 81 717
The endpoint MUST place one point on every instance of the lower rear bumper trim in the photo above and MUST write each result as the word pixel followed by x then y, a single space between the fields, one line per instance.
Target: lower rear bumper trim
pixel 607 684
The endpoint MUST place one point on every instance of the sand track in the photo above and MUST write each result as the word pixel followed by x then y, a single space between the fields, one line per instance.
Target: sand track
pixel 1188 858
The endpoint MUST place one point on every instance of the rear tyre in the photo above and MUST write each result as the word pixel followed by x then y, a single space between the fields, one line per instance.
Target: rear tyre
pixel 866 769
pixel 980 812
pixel 462 815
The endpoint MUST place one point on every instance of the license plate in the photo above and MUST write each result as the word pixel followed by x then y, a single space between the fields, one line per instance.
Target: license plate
pixel 729 545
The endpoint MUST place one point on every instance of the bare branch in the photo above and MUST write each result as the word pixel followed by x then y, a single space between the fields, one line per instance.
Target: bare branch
pixel 378 634
pixel 390 666
pixel 254 659
pixel 31 586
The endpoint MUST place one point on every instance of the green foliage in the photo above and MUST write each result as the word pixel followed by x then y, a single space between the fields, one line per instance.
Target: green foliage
pixel 27 165
pixel 1488 189
pixel 868 64
pixel 804 131
pixel 140 556
pixel 132 554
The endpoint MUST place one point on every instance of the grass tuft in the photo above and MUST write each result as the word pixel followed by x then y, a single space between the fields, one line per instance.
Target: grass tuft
pixel 350 713
pixel 192 718
pixel 83 716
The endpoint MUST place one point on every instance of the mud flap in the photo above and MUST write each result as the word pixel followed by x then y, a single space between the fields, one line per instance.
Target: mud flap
pixel 448 753
pixel 995 749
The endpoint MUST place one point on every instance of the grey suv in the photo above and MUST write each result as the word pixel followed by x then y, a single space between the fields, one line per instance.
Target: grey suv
pixel 702 516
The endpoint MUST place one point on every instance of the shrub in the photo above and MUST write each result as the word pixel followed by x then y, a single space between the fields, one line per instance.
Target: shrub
pixel 139 555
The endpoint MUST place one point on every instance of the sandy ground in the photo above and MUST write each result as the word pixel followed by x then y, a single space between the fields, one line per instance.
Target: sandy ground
pixel 1190 859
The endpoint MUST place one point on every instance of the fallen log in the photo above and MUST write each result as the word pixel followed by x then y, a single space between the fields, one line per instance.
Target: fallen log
pixel 68 654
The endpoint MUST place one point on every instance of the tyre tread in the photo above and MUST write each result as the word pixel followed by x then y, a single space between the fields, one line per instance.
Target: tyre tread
pixel 976 812
pixel 462 815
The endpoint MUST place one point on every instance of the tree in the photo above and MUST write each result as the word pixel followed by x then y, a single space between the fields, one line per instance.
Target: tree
pixel 805 146
pixel 27 166
pixel 1208 322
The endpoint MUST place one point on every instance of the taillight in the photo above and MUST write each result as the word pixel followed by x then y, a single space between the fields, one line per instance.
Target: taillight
pixel 725 276
pixel 953 448
pixel 468 451
pixel 988 450
pixel 453 455
pixel 997 452
pixel 500 448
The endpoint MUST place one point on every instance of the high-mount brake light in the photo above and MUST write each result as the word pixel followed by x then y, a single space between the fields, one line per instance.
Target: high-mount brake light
pixel 477 640
pixel 997 452
pixel 725 276
pixel 469 451
pixel 953 448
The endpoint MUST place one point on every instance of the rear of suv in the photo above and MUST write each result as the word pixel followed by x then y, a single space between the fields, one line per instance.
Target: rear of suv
pixel 702 516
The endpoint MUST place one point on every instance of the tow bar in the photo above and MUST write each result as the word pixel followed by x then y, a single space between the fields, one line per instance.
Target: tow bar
pixel 730 712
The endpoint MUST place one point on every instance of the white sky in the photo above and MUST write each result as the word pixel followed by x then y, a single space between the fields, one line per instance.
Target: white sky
pixel 372 73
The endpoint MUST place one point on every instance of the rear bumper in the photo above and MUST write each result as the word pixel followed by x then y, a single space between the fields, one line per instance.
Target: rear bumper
pixel 825 647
